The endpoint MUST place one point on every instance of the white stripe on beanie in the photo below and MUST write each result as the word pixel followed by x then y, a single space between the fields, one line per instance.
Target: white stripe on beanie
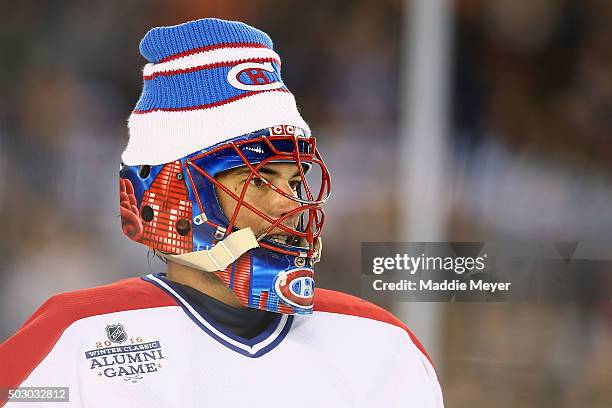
pixel 216 56
pixel 161 137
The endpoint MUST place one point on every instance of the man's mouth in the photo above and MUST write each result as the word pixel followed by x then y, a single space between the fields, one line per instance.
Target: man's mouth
pixel 280 238
pixel 287 239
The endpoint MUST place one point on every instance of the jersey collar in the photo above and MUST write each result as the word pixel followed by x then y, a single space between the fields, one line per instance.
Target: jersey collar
pixel 255 347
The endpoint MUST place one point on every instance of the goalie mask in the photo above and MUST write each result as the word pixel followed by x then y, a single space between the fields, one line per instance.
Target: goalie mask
pixel 174 208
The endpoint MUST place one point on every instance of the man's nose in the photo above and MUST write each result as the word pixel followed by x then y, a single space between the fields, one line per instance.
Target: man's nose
pixel 281 205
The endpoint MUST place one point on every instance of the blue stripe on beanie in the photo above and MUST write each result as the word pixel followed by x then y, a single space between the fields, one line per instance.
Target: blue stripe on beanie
pixel 198 88
pixel 163 42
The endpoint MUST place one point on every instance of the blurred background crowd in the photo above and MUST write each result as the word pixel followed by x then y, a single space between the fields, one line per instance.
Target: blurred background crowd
pixel 529 129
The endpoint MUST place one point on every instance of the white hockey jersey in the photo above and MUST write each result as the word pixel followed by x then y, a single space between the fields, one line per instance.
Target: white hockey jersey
pixel 139 343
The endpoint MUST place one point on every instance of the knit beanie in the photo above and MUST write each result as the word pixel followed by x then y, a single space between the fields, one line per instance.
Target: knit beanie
pixel 207 81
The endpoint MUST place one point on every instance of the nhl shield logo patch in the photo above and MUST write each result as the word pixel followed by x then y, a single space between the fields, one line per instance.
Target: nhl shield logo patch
pixel 116 333
pixel 130 359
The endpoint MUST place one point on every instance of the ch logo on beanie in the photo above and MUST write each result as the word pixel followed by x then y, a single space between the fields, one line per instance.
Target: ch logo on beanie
pixel 251 76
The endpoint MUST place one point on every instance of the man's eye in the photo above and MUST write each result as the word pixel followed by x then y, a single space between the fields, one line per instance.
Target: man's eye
pixel 257 182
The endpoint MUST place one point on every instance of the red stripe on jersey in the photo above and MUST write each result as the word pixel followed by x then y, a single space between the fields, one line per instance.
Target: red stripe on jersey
pixel 27 348
pixel 331 301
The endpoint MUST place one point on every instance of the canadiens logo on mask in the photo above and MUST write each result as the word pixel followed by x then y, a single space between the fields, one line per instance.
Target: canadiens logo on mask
pixel 296 287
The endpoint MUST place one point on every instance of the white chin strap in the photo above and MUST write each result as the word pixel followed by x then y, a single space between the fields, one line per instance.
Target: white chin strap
pixel 221 255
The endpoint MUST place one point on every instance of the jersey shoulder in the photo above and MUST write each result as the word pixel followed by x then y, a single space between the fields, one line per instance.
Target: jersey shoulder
pixel 331 301
pixel 126 294
pixel 23 351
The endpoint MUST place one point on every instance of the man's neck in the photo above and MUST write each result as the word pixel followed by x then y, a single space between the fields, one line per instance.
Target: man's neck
pixel 205 282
